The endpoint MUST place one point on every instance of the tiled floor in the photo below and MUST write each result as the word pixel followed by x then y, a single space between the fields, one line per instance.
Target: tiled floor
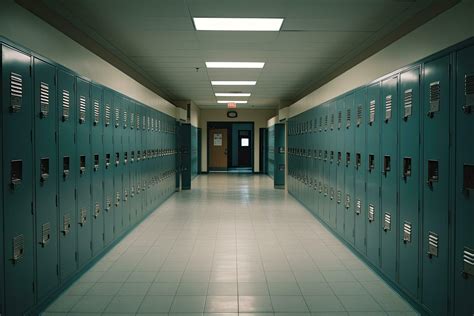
pixel 231 246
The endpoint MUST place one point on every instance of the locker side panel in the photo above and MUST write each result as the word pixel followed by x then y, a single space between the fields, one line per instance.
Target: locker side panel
pixel 46 175
pixel 108 163
pixel 348 198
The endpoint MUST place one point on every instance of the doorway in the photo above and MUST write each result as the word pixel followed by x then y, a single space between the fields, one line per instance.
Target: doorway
pixel 218 149
pixel 244 149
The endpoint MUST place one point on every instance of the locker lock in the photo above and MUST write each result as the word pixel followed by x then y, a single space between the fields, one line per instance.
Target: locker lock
pixel 467 109
pixel 386 165
pixel 433 172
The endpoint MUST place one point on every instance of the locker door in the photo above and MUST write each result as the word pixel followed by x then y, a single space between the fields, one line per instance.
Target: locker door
pixel 464 253
pixel 326 168
pixel 46 173
pixel 348 199
pixel 360 163
pixel 108 163
pixel 340 162
pixel 67 162
pixel 138 146
pixel 389 184
pixel 373 166
pixel 143 163
pixel 279 155
pixel 332 210
pixel 98 159
pixel 84 171
pixel 314 163
pixel 131 163
pixel 436 197
pixel 125 163
pixel 117 166
pixel 320 162
pixel 17 115
pixel 409 179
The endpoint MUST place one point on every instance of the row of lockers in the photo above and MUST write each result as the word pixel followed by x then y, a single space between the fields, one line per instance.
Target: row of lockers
pixel 276 154
pixel 81 165
pixel 390 168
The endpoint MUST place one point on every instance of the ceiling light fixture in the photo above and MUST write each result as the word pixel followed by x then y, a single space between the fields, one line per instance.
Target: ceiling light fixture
pixel 237 102
pixel 247 65
pixel 233 83
pixel 238 24
pixel 233 94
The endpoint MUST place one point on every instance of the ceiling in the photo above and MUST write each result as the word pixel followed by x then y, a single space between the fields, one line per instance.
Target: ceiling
pixel 157 40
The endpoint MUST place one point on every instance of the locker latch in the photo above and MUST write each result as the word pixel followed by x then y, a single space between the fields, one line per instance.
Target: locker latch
pixel 96 162
pixel 339 157
pixel 45 234
pixel 18 248
pixel 117 159
pixel 406 167
pixel 82 164
pixel 347 203
pixel 331 156
pixel 107 161
pixel 358 207
pixel 66 224
pixel 132 156
pixel 348 159
pixel 433 172
pixel 386 165
pixel 331 193
pixel 371 162
pixel 325 155
pixel 82 216
pixel 117 199
pixel 96 210
pixel 44 169
pixel 468 179
pixel 108 204
pixel 125 158
pixel 468 262
pixel 16 173
pixel 65 166
pixel 125 195
pixel 358 161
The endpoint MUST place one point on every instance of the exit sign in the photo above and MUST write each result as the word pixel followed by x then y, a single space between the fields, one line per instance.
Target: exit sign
pixel 231 105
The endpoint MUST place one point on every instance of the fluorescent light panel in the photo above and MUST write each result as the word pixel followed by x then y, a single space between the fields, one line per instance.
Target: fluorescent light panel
pixel 248 65
pixel 236 102
pixel 233 94
pixel 233 83
pixel 237 24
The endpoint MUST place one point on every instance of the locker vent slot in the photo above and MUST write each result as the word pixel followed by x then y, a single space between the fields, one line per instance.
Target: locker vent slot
pixel 44 169
pixel 82 216
pixel 144 123
pixel 96 112
pixel 347 202
pixel 358 160
pixel 332 121
pixel 82 164
pixel 18 247
pixel 371 162
pixel 433 172
pixel 326 121
pixel 132 120
pixel 66 166
pixel 387 221
pixel 407 103
pixel 386 164
pixel 125 157
pixel 339 196
pixel 358 207
pixel 125 119
pixel 45 234
pixel 108 204
pixel 66 224
pixel 107 115
pixel 388 108
pixel 348 118
pixel 96 162
pixel 66 105
pixel 44 99
pixel 117 199
pixel 159 127
pixel 138 121
pixel 371 214
pixel 117 159
pixel 468 260
pixel 435 95
pixel 406 167
pixel 16 92
pixel 407 232
pixel 148 123
pixel 468 177
pixel 107 160
pixel 16 172
pixel 469 92
pixel 433 243
pixel 339 119
pixel 82 109
pixel 117 117
pixel 96 210
pixel 331 193
pixel 359 115
pixel 372 112
pixel 320 123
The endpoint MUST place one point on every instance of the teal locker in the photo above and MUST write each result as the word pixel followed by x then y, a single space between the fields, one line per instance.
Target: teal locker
pixel 143 165
pixel 409 115
pixel 389 183
pixel 314 162
pixel 374 169
pixel 340 163
pixel 67 162
pixel 138 145
pixel 436 189
pixel 84 171
pixel 326 167
pixel 17 113
pixel 279 156
pixel 108 163
pixel 320 162
pixel 125 163
pixel 360 163
pixel 46 175
pixel 348 199
pixel 117 165
pixel 332 159
pixel 98 167
pixel 464 250
pixel 131 163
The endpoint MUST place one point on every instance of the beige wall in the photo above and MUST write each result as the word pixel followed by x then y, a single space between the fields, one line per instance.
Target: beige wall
pixel 26 29
pixel 259 117
pixel 449 28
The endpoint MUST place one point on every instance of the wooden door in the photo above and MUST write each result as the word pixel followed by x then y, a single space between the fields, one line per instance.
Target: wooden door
pixel 218 148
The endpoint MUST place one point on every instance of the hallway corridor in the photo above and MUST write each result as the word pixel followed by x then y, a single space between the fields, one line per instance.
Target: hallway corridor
pixel 231 246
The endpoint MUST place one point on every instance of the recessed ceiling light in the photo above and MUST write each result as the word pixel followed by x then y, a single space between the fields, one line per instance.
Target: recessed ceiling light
pixel 234 64
pixel 237 102
pixel 233 83
pixel 233 94
pixel 237 24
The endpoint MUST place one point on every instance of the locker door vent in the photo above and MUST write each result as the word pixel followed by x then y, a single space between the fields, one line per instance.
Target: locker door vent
pixel 107 115
pixel 359 115
pixel 326 122
pixel 358 207
pixel 406 167
pixel 386 164
pixel 433 243
pixel 96 210
pixel 159 126
pixel 66 224
pixel 125 119
pixel 132 120
pixel 347 202
pixel 469 93
pixel 117 117
pixel 96 112
pixel 66 105
pixel 320 123
pixel 388 108
pixel 82 216
pixel 435 95
pixel 468 178
pixel 387 221
pixel 44 169
pixel 348 118
pixel 407 103
pixel 18 248
pixel 372 112
pixel 332 121
pixel 371 214
pixel 331 194
pixel 433 172
pixel 16 173
pixel 16 92
pixel 339 119
pixel 82 109
pixel 96 162
pixel 82 164
pixel 468 260
pixel 44 99
pixel 339 196
pixel 407 227
pixel 45 234
pixel 66 166
pixel 144 123
pixel 358 160
pixel 138 121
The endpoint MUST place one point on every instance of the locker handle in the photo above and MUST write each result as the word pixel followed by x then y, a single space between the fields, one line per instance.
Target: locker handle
pixel 467 109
